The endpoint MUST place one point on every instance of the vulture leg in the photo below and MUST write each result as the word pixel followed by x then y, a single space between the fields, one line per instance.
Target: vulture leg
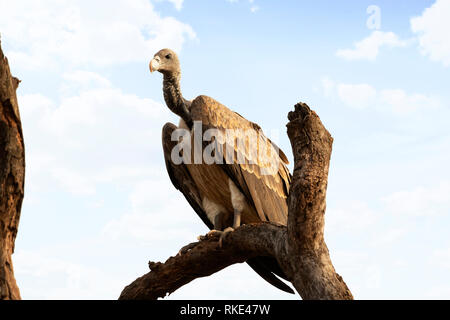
pixel 238 201
pixel 236 224
pixel 218 226
pixel 218 221
pixel 237 218
pixel 215 215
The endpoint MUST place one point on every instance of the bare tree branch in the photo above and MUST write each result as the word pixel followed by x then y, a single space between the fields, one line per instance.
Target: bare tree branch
pixel 299 247
pixel 205 258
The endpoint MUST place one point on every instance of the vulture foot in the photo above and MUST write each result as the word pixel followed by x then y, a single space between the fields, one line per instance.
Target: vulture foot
pixel 224 234
pixel 211 234
pixel 215 234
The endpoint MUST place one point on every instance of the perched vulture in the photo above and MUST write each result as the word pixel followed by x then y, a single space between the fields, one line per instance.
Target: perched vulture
pixel 226 192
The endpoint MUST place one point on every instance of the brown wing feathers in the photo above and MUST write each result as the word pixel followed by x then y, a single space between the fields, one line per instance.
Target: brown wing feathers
pixel 181 179
pixel 268 192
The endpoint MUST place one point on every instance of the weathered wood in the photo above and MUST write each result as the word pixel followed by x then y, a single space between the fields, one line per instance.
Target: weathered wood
pixel 12 174
pixel 299 247
pixel 309 263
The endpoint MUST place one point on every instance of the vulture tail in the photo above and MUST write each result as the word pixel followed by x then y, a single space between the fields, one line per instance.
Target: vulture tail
pixel 260 268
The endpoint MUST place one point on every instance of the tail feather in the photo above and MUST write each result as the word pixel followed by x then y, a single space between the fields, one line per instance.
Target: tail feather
pixel 260 267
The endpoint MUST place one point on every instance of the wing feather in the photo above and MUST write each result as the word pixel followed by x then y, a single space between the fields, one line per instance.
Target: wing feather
pixel 180 176
pixel 252 160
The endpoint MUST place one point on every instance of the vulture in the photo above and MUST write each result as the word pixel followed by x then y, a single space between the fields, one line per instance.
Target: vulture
pixel 225 193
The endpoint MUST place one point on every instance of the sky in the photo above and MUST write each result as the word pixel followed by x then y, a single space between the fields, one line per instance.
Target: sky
pixel 98 201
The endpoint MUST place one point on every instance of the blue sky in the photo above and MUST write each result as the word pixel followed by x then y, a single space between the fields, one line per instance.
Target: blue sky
pixel 98 202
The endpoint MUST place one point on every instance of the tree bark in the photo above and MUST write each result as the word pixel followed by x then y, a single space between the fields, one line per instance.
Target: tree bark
pixel 299 247
pixel 12 174
pixel 313 274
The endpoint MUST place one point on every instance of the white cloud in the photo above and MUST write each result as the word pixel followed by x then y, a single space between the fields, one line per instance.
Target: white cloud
pixel 388 237
pixel 41 34
pixel 328 86
pixel 73 181
pixel 155 205
pixel 253 6
pixel 400 102
pixel 387 230
pixel 441 258
pixel 41 276
pixel 360 270
pixel 253 9
pixel 356 95
pixel 79 80
pixel 420 201
pixel 395 101
pixel 373 277
pixel 86 139
pixel 178 4
pixel 369 47
pixel 441 292
pixel 432 30
pixel 353 217
pixel 403 206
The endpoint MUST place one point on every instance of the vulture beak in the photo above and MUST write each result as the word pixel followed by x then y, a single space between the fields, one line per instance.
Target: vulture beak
pixel 154 64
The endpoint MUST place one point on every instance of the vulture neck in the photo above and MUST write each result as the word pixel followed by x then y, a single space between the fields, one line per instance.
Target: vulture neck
pixel 173 97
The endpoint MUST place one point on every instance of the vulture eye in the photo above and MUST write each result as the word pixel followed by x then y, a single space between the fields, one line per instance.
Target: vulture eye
pixel 168 56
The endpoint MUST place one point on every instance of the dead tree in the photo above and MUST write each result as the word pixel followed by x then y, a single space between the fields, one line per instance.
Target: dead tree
pixel 12 174
pixel 299 247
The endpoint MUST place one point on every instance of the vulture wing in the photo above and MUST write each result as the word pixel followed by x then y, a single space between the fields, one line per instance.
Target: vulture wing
pixel 180 176
pixel 257 165
pixel 182 180
pixel 260 172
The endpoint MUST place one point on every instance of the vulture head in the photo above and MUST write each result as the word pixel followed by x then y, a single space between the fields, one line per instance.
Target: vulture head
pixel 165 61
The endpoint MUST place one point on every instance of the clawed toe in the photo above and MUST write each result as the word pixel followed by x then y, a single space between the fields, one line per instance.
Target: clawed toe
pixel 212 233
pixel 227 230
pixel 216 233
pixel 224 234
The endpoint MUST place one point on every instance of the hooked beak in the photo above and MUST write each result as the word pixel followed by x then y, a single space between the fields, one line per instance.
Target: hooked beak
pixel 154 64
